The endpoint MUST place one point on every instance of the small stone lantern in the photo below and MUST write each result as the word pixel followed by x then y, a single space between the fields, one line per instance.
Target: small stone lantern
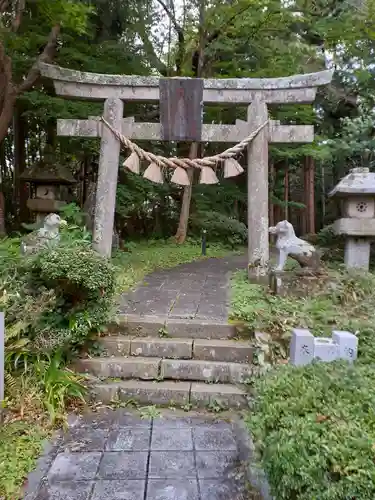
pixel 48 181
pixel 357 194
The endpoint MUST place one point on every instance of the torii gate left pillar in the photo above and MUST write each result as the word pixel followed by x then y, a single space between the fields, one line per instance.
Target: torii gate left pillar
pixel 255 92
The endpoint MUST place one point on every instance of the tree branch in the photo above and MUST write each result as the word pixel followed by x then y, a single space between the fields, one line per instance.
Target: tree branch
pixel 172 17
pixel 45 57
pixel 151 54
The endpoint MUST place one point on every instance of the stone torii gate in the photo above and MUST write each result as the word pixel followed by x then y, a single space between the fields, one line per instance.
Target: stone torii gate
pixel 183 123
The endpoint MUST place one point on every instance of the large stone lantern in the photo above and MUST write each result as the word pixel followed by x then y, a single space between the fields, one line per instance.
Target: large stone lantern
pixel 356 192
pixel 48 182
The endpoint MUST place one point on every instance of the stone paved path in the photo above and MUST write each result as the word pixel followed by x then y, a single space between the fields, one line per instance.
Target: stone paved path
pixel 198 290
pixel 117 455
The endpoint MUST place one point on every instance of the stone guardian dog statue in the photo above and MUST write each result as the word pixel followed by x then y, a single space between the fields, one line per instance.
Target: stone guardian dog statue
pixel 45 236
pixel 300 250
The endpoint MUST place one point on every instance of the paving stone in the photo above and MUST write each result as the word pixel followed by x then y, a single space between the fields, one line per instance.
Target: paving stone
pixel 223 350
pixel 105 393
pixel 123 465
pixel 171 422
pixel 208 371
pixel 119 367
pixel 225 395
pixel 116 346
pixel 119 490
pixel 171 439
pixel 171 464
pixel 129 440
pixel 162 348
pixel 167 489
pixel 74 466
pixel 222 489
pixel 206 438
pixel 65 490
pixel 142 326
pixel 83 439
pixel 216 464
pixel 155 392
pixel 199 329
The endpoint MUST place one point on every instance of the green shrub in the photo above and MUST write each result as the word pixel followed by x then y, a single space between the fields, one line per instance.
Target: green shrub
pixel 219 227
pixel 315 431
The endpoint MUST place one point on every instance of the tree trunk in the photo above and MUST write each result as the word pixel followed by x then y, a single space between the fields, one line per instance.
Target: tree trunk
pixel 19 133
pixel 186 199
pixel 2 215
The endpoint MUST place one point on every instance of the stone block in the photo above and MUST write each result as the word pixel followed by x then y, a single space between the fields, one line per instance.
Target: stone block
pixel 206 438
pixel 216 464
pixel 116 346
pixel 347 345
pixel 74 467
pixel 66 490
pixel 223 350
pixel 162 348
pixel 171 440
pixel 172 489
pixel 118 367
pixel 123 465
pixel 227 396
pixel 354 227
pixel 199 329
pixel 128 439
pixel 301 347
pixel 141 326
pixel 104 393
pixel 158 393
pixel 171 464
pixel 208 371
pixel 357 253
pixel 325 349
pixel 119 489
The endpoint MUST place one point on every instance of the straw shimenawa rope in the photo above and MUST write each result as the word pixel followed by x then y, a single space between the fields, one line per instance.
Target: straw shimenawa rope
pixel 173 162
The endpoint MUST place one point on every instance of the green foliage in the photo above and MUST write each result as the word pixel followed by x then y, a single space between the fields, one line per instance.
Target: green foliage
pixel 230 232
pixel 20 444
pixel 314 427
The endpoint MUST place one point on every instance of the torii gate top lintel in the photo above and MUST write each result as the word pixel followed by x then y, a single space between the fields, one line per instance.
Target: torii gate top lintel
pixel 96 86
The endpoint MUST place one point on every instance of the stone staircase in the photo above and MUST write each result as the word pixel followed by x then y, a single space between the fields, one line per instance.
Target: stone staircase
pixel 171 362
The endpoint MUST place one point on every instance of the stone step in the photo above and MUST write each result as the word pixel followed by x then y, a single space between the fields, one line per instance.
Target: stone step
pixel 171 393
pixel 175 348
pixel 153 326
pixel 160 369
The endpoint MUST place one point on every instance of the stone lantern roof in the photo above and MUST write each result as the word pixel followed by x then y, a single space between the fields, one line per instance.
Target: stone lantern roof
pixel 359 181
pixel 47 171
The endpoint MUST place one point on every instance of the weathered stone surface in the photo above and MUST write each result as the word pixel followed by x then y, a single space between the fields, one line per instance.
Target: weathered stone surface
pixel 173 439
pixel 163 393
pixel 358 181
pixel 73 466
pixel 123 465
pixel 171 464
pixel 208 371
pixel 175 489
pixel 162 348
pixel 104 392
pixel 213 439
pixel 116 346
pixel 223 350
pixel 119 490
pixel 107 179
pixel 354 227
pixel 82 439
pixel 65 490
pixel 128 439
pixel 199 329
pixel 142 326
pixel 227 396
pixel 119 367
pixel 257 189
pixel 215 464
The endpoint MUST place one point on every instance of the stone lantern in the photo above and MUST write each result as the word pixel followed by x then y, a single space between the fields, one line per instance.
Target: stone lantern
pixel 48 182
pixel 356 192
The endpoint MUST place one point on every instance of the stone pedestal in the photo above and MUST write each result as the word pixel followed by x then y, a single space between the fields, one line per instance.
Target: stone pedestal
pixel 298 283
pixel 357 253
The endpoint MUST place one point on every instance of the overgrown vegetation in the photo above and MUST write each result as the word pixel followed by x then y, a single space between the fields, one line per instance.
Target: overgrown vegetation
pixel 314 425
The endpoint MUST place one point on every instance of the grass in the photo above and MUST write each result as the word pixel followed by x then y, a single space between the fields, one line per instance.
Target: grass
pixel 346 302
pixel 20 445
pixel 146 257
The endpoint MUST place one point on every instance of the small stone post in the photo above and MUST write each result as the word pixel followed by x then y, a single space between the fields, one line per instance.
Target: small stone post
pixel 257 188
pixel 107 178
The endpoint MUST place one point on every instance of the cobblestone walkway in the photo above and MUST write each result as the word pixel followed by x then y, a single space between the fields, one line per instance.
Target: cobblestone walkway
pixel 198 290
pixel 117 455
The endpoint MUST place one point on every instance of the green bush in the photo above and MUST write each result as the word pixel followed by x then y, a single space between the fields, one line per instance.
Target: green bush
pixel 219 227
pixel 315 431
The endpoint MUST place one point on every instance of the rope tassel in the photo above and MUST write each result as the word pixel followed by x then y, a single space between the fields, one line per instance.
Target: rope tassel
pixel 153 173
pixel 132 163
pixel 180 177
pixel 232 168
pixel 208 176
